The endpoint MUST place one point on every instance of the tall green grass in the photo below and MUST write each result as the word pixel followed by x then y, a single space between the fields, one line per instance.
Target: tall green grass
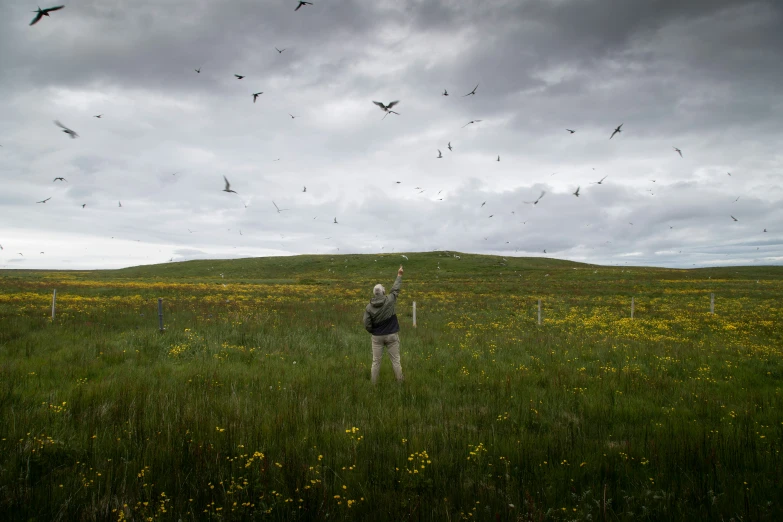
pixel 256 402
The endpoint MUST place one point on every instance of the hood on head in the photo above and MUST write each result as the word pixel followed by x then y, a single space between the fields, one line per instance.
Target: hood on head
pixel 378 301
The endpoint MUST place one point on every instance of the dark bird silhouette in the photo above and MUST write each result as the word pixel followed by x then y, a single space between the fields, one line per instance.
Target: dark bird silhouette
pixel 335 221
pixel 617 130
pixel 239 76
pixel 292 116
pixel 304 189
pixel 301 3
pixel 279 50
pixel 445 92
pixel 483 204
pixel 491 215
pixel 279 210
pixel 256 95
pixel 66 130
pixel 198 70
pixel 678 151
pixel 387 108
pixel 99 116
pixel 473 92
pixel 59 179
pixel 577 191
pixel 729 173
pixel 571 131
pixel 545 250
pixel 600 181
pixel 498 158
pixel 45 200
pixel 737 199
pixel 440 155
pixel 44 12
pixel 471 121
pixel 765 230
pixel 84 205
pixel 543 192
pixel 228 186
pixel 735 219
pixel 119 204
pixel 449 146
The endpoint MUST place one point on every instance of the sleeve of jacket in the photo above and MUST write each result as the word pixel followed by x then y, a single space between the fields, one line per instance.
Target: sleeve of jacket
pixel 367 321
pixel 395 291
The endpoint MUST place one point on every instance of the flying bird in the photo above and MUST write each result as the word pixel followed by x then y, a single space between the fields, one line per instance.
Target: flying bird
pixel 301 3
pixel 304 189
pixel 335 221
pixel 545 250
pixel 577 192
pixel 736 199
pixel 729 173
pixel 228 186
pixel 735 219
pixel 617 130
pixel 571 131
pixel 440 155
pixel 473 92
pixel 279 210
pixel 387 108
pixel 256 95
pixel 498 158
pixel 119 204
pixel 445 92
pixel 279 50
pixel 198 70
pixel 449 146
pixel 84 205
pixel 44 12
pixel 66 130
pixel 45 200
pixel 471 121
pixel 59 179
pixel 99 116
pixel 239 76
pixel 765 230
pixel 600 181
pixel 677 151
pixel 406 257
pixel 292 116
pixel 543 192
pixel 483 204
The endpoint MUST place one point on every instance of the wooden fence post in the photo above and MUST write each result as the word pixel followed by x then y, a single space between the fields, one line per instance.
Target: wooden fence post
pixel 160 313
pixel 712 303
pixel 632 307
pixel 414 314
pixel 539 311
pixel 54 300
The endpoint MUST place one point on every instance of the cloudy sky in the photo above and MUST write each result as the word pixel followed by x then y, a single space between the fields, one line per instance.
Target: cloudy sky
pixel 701 75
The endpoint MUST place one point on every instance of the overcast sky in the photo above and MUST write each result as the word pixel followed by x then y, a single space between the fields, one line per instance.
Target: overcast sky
pixel 701 75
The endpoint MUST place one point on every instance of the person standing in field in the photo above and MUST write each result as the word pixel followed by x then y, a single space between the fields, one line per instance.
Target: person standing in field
pixel 381 321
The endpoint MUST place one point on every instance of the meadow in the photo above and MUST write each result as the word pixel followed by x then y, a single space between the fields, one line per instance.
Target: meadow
pixel 256 402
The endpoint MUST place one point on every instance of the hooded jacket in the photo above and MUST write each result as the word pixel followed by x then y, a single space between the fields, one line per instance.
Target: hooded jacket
pixel 379 316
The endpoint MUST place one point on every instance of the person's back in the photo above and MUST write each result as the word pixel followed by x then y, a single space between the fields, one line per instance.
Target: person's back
pixel 380 320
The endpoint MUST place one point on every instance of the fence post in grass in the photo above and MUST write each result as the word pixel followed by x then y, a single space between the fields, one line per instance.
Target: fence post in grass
pixel 54 300
pixel 712 303
pixel 414 314
pixel 632 307
pixel 160 313
pixel 539 311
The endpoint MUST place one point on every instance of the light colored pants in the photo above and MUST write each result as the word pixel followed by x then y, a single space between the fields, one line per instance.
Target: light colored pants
pixel 392 343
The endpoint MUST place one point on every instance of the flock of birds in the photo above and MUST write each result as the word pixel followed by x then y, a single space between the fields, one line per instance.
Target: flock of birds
pixel 387 108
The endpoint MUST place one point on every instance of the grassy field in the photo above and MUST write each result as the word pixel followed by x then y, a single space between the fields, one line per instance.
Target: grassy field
pixel 256 402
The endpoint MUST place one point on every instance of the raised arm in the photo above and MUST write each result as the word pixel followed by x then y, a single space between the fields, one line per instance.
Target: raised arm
pixel 395 291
